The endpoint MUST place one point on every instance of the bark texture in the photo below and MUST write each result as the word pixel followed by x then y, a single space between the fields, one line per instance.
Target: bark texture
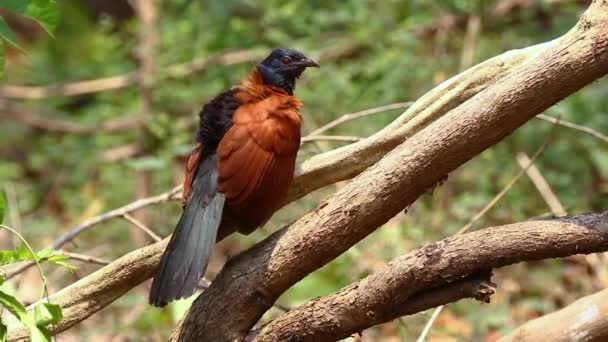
pixel 584 320
pixel 383 295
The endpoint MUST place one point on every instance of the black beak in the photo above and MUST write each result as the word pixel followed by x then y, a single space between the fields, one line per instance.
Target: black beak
pixel 307 63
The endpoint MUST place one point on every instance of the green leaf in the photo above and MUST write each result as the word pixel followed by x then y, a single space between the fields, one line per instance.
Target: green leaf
pixel 2 332
pixel 19 254
pixel 39 334
pixel 58 257
pixel 7 33
pixel 16 308
pixel 47 313
pixel 2 200
pixel 45 13
pixel 17 6
pixel 67 265
pixel 45 254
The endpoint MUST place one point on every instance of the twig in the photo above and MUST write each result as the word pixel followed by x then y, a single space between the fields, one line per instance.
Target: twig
pixel 308 139
pixel 85 258
pixel 146 51
pixel 356 115
pixel 127 79
pixel 429 324
pixel 506 189
pixel 55 125
pixel 541 184
pixel 577 127
pixel 121 152
pixel 88 224
pixel 142 227
pixel 119 212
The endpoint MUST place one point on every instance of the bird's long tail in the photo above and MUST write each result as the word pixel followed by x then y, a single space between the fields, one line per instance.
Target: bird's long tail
pixel 185 260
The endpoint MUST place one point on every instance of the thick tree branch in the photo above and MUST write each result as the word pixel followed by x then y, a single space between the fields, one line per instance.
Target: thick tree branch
pixel 584 320
pixel 347 162
pixel 476 286
pixel 381 296
pixel 261 274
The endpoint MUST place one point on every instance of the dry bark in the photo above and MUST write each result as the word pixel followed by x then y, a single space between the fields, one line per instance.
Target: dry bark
pixel 584 320
pixel 383 295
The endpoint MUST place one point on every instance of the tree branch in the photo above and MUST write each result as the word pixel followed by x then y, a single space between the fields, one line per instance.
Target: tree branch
pixel 261 274
pixel 584 320
pixel 577 127
pixel 127 79
pixel 476 286
pixel 381 296
pixel 55 125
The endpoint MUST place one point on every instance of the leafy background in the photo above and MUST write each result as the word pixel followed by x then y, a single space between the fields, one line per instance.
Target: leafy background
pixel 372 53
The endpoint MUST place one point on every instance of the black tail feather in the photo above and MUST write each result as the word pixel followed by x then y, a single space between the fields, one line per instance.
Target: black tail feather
pixel 185 260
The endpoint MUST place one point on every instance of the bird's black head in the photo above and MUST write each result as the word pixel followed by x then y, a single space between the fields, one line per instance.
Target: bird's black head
pixel 283 66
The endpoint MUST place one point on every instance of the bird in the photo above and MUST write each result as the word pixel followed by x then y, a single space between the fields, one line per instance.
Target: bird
pixel 240 171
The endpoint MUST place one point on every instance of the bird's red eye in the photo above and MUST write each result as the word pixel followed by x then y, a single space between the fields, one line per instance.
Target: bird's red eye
pixel 285 60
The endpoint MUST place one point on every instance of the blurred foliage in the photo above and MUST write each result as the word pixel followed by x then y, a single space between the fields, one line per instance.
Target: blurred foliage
pixel 372 53
pixel 45 313
pixel 44 12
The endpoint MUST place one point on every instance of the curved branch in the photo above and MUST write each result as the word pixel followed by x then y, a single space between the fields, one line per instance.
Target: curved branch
pixel 261 274
pixel 381 296
pixel 477 286
pixel 584 320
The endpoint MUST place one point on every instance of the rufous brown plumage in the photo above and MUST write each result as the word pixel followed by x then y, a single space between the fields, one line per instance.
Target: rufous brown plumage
pixel 240 171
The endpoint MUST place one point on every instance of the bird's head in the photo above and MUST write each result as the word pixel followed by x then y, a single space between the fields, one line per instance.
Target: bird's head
pixel 283 66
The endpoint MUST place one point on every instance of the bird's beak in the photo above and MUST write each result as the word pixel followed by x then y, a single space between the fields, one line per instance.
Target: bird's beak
pixel 307 63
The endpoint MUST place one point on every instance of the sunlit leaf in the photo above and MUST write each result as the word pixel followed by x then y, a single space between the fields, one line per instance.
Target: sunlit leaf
pixel 15 307
pixel 45 13
pixel 65 264
pixel 47 313
pixel 40 334
pixel 19 254
pixel 58 257
pixel 45 253
pixel 2 332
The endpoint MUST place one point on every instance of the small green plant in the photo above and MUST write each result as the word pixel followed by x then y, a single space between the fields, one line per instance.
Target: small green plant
pixel 45 12
pixel 44 314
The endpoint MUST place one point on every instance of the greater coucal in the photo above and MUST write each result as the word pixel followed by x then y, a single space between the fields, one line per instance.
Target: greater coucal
pixel 240 171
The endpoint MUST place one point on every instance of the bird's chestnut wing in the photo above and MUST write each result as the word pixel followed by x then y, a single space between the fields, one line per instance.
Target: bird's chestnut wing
pixel 262 135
